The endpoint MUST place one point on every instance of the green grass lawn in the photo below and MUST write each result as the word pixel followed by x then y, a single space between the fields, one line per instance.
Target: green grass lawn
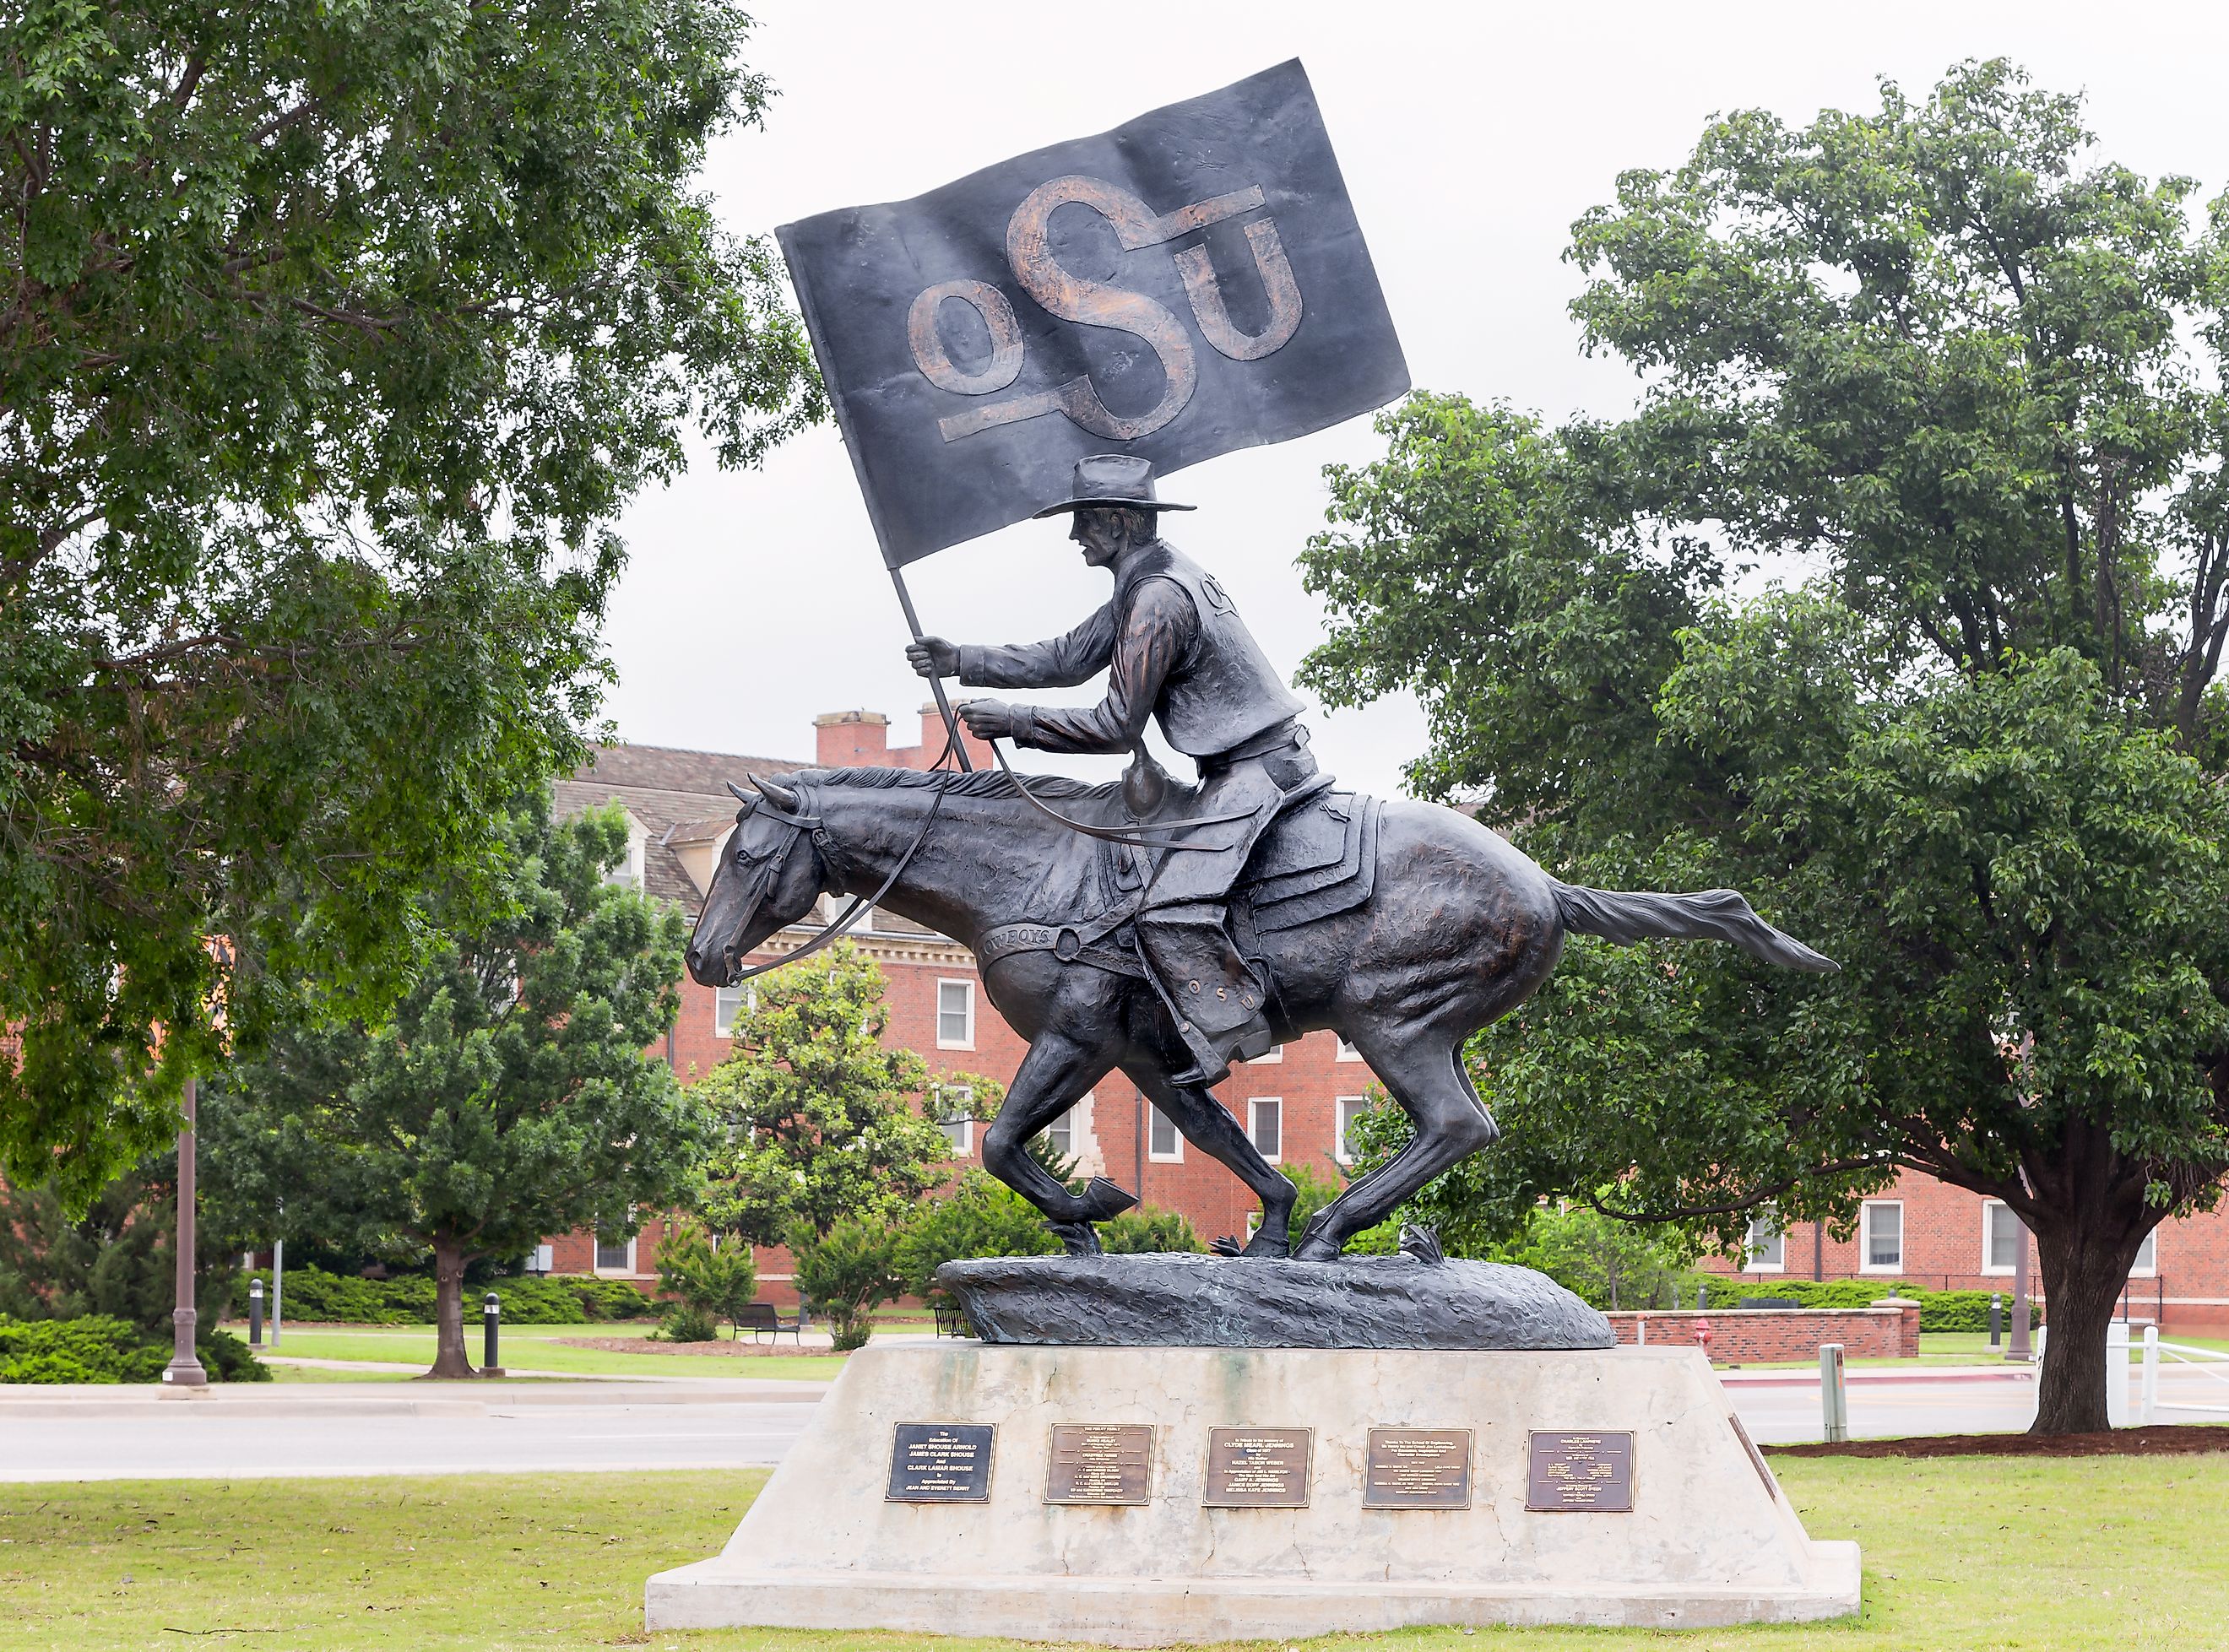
pixel 1990 1552
pixel 537 1348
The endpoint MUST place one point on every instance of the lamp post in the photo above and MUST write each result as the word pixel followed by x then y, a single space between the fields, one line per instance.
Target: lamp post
pixel 184 1370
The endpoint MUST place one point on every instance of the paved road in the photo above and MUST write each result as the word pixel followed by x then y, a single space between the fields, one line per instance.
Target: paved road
pixel 336 1429
pixel 340 1429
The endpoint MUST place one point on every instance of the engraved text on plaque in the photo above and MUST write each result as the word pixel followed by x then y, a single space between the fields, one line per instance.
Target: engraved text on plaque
pixel 941 1462
pixel 1417 1468
pixel 1257 1468
pixel 1574 1471
pixel 1100 1462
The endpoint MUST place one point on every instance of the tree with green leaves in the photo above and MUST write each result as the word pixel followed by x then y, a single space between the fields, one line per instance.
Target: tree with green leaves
pixel 509 1096
pixel 1898 603
pixel 707 1278
pixel 822 1120
pixel 980 1216
pixel 846 1270
pixel 335 337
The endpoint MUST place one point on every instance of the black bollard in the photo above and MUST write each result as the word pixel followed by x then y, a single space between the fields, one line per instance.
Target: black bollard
pixel 255 1313
pixel 490 1323
pixel 1996 1319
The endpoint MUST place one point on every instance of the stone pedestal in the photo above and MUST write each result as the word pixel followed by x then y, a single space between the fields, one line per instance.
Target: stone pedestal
pixel 1709 1539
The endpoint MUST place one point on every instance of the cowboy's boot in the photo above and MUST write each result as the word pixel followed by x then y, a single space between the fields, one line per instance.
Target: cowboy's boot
pixel 1217 996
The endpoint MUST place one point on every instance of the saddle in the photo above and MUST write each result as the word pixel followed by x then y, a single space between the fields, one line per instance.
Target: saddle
pixel 1318 859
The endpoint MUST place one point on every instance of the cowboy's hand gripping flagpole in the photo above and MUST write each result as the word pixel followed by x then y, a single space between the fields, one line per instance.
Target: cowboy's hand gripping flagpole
pixel 1190 283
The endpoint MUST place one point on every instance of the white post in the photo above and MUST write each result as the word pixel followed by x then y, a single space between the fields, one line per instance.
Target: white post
pixel 2147 1405
pixel 1833 1398
pixel 2117 1375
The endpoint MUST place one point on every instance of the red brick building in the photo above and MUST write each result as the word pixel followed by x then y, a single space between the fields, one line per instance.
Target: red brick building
pixel 1944 1237
pixel 1296 1101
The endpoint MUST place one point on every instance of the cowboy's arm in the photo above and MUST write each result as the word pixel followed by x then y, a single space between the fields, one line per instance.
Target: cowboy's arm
pixel 1160 627
pixel 1060 664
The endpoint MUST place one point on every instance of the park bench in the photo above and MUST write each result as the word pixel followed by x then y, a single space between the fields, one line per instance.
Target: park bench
pixel 950 1322
pixel 760 1317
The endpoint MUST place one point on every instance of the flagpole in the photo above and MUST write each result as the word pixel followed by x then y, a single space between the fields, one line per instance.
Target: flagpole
pixel 935 683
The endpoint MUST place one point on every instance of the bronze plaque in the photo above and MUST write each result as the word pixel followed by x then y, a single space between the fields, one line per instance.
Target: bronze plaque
pixel 1257 1468
pixel 1417 1468
pixel 1589 1472
pixel 941 1462
pixel 1100 1462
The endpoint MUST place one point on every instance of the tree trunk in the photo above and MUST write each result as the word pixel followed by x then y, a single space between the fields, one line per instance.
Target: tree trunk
pixel 2083 1272
pixel 449 1359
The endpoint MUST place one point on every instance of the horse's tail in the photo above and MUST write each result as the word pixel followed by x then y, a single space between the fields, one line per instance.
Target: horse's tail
pixel 1713 915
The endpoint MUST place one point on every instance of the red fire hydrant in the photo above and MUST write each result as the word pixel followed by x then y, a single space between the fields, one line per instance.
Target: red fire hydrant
pixel 1703 1336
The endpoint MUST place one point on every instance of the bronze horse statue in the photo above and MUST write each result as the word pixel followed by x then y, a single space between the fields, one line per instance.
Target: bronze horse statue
pixel 1430 927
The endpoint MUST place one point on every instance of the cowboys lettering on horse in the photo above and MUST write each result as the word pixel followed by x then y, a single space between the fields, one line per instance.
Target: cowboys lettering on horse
pixel 1174 649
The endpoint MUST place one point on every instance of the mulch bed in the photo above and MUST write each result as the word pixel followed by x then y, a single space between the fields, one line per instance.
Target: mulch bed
pixel 644 1345
pixel 2165 1439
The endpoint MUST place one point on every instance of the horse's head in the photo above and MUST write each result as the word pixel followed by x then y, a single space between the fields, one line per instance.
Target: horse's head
pixel 769 876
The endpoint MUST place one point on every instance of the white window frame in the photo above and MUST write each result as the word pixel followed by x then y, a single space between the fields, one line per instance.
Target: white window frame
pixel 596 1257
pixel 964 1095
pixel 634 865
pixel 2139 1269
pixel 1175 1155
pixel 1992 1211
pixel 1346 1051
pixel 1751 1262
pixel 1066 1116
pixel 1866 1262
pixel 747 1000
pixel 1253 1135
pixel 1340 1152
pixel 1268 1058
pixel 969 990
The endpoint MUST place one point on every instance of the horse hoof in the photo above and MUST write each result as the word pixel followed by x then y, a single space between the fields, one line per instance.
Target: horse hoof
pixel 1080 1238
pixel 1103 1200
pixel 1316 1246
pixel 1262 1244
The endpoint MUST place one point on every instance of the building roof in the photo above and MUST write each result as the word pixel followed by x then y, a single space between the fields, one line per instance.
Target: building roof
pixel 678 795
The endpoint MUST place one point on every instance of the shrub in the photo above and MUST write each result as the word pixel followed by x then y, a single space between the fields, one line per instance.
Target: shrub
pixel 1939 1310
pixel 715 1282
pixel 1143 1229
pixel 844 1273
pixel 99 1347
pixel 686 1322
pixel 315 1295
pixel 227 1359
pixel 981 1217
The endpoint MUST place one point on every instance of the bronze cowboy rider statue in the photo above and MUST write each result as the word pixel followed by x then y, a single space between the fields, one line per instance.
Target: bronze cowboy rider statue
pixel 1175 649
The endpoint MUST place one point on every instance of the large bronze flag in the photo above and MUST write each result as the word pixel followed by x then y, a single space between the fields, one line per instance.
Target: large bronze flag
pixel 1187 284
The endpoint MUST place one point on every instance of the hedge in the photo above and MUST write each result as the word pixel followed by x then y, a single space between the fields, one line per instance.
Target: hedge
pixel 1939 1310
pixel 102 1348
pixel 314 1297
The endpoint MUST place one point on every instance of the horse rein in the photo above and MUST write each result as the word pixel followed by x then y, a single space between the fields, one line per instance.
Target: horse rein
pixel 1137 837
pixel 812 826
pixel 824 846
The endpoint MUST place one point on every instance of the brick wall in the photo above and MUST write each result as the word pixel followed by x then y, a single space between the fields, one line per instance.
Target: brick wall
pixel 2186 1287
pixel 1755 1336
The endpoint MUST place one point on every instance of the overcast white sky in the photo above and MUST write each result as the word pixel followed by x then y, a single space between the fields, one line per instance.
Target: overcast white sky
pixel 1471 136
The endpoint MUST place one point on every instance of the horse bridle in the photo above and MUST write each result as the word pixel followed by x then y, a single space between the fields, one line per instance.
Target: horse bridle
pixel 812 828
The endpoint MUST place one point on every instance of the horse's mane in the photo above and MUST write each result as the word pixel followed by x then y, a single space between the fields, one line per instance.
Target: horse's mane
pixel 983 782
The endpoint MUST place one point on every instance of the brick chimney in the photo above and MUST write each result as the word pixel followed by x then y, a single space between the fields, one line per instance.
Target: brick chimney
pixel 932 741
pixel 851 739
